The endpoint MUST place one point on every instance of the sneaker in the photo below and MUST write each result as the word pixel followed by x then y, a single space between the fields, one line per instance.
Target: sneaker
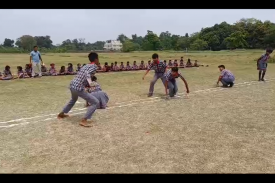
pixel 231 84
pixel 262 79
pixel 150 94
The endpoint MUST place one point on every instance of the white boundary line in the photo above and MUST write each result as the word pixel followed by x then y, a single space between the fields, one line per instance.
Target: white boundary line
pixel 155 99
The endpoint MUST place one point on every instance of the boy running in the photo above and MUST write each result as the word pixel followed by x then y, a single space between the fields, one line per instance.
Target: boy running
pixel 171 83
pixel 262 64
pixel 160 69
pixel 77 87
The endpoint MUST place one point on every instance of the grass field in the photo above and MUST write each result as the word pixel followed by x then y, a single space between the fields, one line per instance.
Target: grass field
pixel 215 130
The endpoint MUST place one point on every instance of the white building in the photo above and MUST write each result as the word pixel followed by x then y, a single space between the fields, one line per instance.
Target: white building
pixel 113 45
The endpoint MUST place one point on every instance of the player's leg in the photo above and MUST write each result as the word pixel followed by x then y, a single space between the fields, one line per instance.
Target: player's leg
pixel 225 82
pixel 171 89
pixel 70 105
pixel 39 69
pixel 175 87
pixel 93 101
pixel 152 85
pixel 33 69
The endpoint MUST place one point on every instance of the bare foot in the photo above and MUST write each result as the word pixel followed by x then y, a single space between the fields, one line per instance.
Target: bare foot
pixel 62 115
pixel 84 123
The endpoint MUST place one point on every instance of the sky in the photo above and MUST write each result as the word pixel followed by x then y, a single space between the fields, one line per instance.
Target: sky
pixel 101 25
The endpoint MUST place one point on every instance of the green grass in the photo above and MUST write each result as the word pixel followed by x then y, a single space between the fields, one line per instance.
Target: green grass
pixel 214 131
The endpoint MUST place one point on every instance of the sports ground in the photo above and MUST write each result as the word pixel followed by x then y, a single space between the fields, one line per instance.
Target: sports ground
pixel 214 130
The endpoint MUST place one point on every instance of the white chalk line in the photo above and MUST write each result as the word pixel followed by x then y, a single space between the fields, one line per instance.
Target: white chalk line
pixel 155 99
pixel 205 90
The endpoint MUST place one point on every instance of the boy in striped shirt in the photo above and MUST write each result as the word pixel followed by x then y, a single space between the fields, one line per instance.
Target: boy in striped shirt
pixel 160 69
pixel 226 77
pixel 171 83
pixel 77 88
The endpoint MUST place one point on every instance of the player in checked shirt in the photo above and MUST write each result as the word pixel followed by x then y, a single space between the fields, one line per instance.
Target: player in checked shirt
pixel 160 69
pixel 77 88
pixel 171 83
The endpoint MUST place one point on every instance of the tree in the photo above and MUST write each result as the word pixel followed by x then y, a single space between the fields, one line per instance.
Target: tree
pixel 43 41
pixel 199 44
pixel 129 46
pixel 27 42
pixel 8 42
pixel 151 41
pixel 183 43
pixel 122 38
pixel 186 35
pixel 236 40
pixel 165 40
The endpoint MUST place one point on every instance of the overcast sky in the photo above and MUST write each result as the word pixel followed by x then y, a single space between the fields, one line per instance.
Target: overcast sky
pixel 94 25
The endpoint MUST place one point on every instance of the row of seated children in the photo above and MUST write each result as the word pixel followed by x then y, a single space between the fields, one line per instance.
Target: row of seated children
pixel 106 68
pixel 27 73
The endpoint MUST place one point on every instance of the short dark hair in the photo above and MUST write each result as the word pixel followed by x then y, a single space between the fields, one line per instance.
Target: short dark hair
pixel 175 69
pixel 155 56
pixel 35 46
pixel 92 56
pixel 269 50
pixel 7 67
pixel 94 78
pixel 221 66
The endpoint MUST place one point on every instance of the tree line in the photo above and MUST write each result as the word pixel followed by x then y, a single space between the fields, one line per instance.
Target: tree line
pixel 246 33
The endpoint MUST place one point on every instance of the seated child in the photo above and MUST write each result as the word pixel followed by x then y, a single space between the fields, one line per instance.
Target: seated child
pixel 106 67
pixel 28 70
pixel 170 63
pixel 142 65
pixel 44 71
pixel 21 73
pixel 116 67
pixel 97 92
pixel 112 67
pixel 78 67
pixel 149 63
pixel 165 62
pixel 181 63
pixel 52 70
pixel 83 65
pixel 70 69
pixel 122 67
pixel 135 66
pixel 99 68
pixel 6 75
pixel 128 66
pixel 175 63
pixel 189 64
pixel 62 70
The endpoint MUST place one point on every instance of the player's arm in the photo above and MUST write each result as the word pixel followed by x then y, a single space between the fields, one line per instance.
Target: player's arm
pixel 219 79
pixel 149 68
pixel 40 57
pixel 166 86
pixel 31 58
pixel 185 82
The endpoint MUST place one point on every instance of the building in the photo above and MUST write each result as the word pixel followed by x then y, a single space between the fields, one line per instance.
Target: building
pixel 113 45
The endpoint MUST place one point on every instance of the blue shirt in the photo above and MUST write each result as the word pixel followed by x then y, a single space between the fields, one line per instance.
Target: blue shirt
pixel 35 56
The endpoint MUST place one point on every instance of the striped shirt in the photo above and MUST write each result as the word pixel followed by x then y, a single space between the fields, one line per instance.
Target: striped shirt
pixel 128 67
pixel 52 70
pixel 116 68
pixel 168 76
pixel 135 67
pixel 142 66
pixel 226 74
pixel 160 67
pixel 264 58
pixel 121 66
pixel 80 80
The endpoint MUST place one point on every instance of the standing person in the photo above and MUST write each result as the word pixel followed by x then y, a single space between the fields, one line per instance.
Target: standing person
pixel 262 64
pixel 77 87
pixel 36 61
pixel 160 69
pixel 226 77
pixel 171 83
